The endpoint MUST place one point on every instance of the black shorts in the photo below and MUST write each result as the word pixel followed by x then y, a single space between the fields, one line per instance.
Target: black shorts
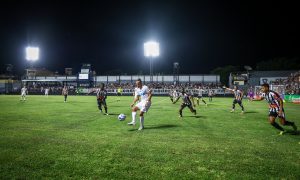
pixel 183 105
pixel 237 101
pixel 274 112
pixel 118 94
pixel 101 102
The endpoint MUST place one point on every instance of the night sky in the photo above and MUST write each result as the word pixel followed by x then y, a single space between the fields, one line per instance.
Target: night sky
pixel 200 35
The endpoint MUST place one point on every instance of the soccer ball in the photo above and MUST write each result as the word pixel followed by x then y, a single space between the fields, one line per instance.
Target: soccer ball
pixel 122 117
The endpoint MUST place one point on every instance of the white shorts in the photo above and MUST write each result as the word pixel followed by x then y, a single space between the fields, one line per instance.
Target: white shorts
pixel 143 105
pixel 23 94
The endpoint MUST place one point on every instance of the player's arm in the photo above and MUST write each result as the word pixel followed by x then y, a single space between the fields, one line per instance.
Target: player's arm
pixel 226 88
pixel 177 98
pixel 242 95
pixel 149 95
pixel 105 94
pixel 91 92
pixel 260 98
pixel 280 107
pixel 135 100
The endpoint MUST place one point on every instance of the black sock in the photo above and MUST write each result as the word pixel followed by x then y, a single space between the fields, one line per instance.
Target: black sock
pixel 277 126
pixel 204 101
pixel 105 109
pixel 288 123
pixel 242 108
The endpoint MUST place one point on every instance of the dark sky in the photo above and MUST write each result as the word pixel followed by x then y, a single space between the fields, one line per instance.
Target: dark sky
pixel 200 35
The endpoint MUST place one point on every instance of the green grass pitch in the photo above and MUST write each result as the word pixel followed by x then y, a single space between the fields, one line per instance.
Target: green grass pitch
pixel 47 138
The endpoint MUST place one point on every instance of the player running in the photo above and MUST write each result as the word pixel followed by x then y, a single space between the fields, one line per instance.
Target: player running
pixel 191 96
pixel 200 96
pixel 145 95
pixel 210 95
pixel 101 98
pixel 173 94
pixel 275 108
pixel 186 102
pixel 238 97
pixel 24 91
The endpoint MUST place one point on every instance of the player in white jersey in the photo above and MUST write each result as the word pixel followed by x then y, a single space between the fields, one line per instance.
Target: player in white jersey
pixel 46 92
pixel 65 93
pixel 23 93
pixel 145 95
pixel 200 96
pixel 173 94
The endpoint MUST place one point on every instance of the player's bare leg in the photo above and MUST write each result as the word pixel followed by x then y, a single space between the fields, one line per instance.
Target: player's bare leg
pixel 275 124
pixel 204 101
pixel 180 110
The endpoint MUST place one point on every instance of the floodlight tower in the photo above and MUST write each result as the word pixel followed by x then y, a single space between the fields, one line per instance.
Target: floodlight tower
pixel 32 54
pixel 151 50
pixel 176 73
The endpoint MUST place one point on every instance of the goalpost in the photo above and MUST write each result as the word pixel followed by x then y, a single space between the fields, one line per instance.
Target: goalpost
pixel 277 88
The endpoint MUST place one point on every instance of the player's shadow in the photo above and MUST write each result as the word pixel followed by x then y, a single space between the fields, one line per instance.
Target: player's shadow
pixel 156 127
pixel 197 116
pixel 113 114
pixel 291 132
pixel 164 126
pixel 250 112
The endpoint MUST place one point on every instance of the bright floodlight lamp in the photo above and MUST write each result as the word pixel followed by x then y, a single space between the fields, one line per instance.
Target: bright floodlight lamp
pixel 151 49
pixel 32 53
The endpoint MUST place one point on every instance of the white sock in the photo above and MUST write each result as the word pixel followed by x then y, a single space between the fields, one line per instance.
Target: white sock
pixel 133 116
pixel 141 121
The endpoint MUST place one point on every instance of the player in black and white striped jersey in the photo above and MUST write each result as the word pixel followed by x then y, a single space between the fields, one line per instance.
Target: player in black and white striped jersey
pixel 275 108
pixel 238 97
pixel 101 98
pixel 186 102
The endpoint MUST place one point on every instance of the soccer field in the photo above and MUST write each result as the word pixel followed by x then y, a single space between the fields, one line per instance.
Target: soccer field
pixel 47 138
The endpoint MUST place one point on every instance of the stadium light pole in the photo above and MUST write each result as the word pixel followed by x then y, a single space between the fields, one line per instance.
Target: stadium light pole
pixel 151 50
